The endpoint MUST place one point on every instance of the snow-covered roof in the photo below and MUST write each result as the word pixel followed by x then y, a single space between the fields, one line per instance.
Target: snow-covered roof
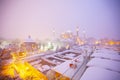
pixel 104 63
pixel 103 50
pixel 95 73
pixel 107 56
pixel 62 68
pixel 71 50
pixel 65 69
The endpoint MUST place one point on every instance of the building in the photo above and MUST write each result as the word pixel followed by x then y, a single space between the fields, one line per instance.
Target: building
pixel 29 45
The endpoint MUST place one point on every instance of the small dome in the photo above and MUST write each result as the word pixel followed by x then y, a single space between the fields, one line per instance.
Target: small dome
pixel 29 39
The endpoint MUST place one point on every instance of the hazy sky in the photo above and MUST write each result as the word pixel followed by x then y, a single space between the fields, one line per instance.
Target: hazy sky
pixel 20 18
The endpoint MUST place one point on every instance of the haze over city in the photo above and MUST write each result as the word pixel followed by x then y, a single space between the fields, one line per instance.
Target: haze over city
pixel 38 18
pixel 59 40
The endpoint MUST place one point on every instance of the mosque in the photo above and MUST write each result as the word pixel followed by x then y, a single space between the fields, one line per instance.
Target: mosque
pixel 29 45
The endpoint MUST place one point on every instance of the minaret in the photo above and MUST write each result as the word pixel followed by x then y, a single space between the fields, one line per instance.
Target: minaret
pixel 29 37
pixel 53 31
pixel 77 31
pixel 77 35
pixel 84 34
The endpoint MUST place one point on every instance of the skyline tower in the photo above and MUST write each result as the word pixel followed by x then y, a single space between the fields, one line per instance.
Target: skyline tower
pixel 53 33
pixel 77 31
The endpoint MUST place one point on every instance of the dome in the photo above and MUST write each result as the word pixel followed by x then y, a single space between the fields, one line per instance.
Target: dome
pixel 29 39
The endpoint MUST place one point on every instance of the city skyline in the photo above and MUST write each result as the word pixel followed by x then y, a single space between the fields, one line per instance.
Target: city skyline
pixel 19 18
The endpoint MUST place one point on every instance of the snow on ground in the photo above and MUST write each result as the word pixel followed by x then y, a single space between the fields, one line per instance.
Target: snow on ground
pixel 95 73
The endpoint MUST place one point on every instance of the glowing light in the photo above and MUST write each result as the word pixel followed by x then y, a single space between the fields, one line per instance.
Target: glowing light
pixel 111 42
pixel 79 41
pixel 67 46
pixel 23 69
pixel 67 35
pixel 59 76
pixel 97 42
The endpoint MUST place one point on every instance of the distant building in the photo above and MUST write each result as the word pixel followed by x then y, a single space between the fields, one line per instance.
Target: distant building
pixel 29 45
pixel 67 35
